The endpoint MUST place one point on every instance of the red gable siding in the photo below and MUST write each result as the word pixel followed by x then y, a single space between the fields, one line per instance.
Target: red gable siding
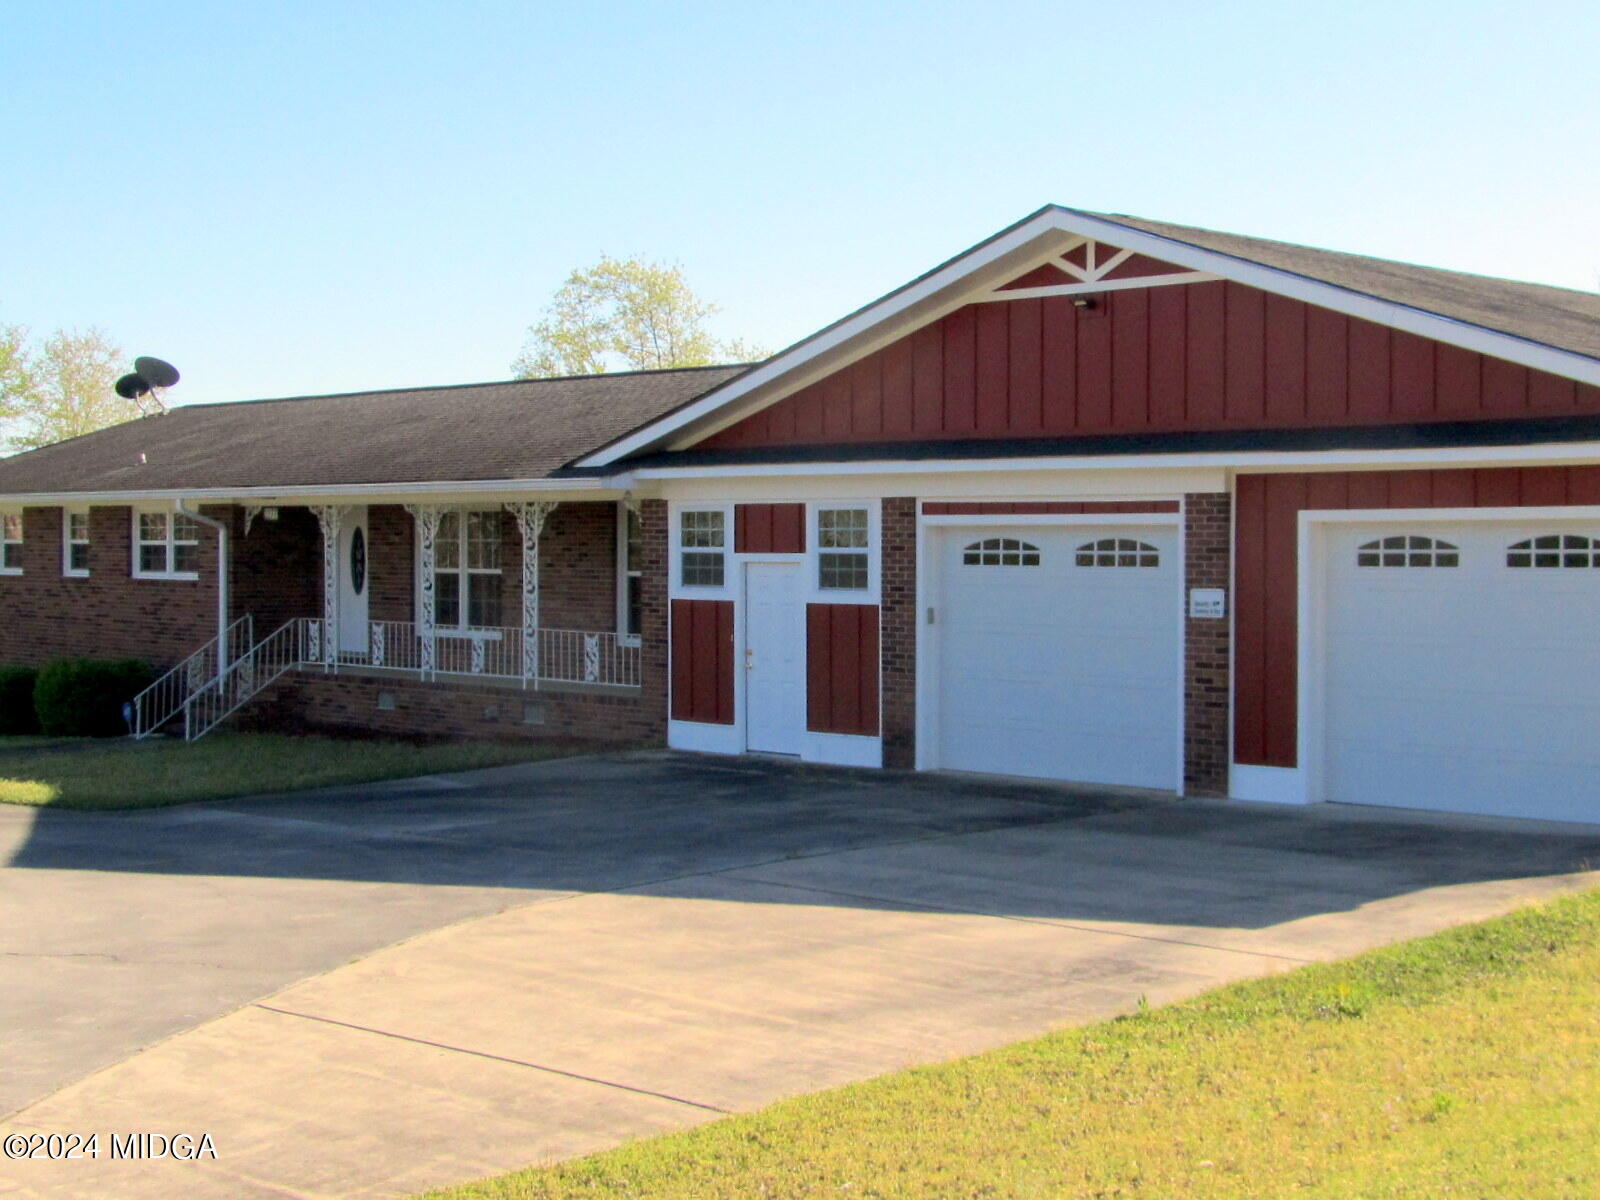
pixel 1267 523
pixel 1215 355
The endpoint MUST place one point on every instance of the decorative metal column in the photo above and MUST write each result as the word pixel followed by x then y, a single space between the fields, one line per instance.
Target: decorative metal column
pixel 530 516
pixel 427 518
pixel 329 518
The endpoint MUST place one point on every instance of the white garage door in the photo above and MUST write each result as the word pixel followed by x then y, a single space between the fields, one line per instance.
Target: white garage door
pixel 1058 652
pixel 1463 667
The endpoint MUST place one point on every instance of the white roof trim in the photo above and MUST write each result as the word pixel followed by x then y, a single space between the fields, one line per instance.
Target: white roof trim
pixel 289 494
pixel 1294 460
pixel 1051 224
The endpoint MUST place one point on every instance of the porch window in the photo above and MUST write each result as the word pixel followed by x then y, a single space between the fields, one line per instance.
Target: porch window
pixel 75 543
pixel 842 551
pixel 630 572
pixel 466 570
pixel 702 536
pixel 11 543
pixel 167 546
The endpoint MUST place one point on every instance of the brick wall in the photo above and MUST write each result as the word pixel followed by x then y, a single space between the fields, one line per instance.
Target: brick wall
pixel 45 615
pixel 1206 524
pixel 276 570
pixel 310 701
pixel 653 677
pixel 899 631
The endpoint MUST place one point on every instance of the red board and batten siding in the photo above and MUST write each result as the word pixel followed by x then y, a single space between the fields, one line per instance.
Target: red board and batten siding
pixel 842 668
pixel 1215 355
pixel 1267 549
pixel 702 661
pixel 769 528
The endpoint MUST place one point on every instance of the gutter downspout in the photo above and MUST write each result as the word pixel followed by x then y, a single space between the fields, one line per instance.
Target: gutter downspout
pixel 178 505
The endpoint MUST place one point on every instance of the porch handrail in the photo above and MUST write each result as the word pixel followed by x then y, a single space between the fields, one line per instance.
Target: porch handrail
pixel 493 651
pixel 165 698
pixel 246 677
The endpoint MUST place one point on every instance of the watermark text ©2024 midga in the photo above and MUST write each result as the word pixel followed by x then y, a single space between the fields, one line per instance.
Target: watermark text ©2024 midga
pixel 185 1147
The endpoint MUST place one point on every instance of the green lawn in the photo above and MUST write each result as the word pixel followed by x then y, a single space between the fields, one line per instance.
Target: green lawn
pixel 123 774
pixel 1466 1064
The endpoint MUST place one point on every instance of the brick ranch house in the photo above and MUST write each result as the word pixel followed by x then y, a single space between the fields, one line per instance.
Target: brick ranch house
pixel 1098 499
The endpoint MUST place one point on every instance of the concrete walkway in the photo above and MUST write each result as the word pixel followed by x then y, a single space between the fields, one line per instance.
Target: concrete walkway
pixel 709 937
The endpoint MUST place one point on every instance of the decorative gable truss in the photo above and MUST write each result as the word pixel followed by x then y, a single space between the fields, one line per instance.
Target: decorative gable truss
pixel 1087 267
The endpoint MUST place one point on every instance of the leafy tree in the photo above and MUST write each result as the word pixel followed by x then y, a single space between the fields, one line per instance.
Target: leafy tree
pixel 15 378
pixel 625 314
pixel 61 389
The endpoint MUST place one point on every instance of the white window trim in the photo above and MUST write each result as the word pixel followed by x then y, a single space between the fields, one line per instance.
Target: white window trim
pixel 171 545
pixel 623 575
pixel 815 592
pixel 730 577
pixel 482 633
pixel 67 569
pixel 5 570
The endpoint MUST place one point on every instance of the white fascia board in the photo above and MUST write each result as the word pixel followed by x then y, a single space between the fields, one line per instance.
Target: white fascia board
pixel 549 488
pixel 1049 227
pixel 1283 460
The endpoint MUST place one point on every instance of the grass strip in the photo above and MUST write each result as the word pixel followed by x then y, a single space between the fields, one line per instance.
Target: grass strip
pixel 124 775
pixel 1464 1064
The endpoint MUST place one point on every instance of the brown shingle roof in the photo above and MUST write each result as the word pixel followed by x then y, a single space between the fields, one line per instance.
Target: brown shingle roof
pixel 522 429
pixel 1551 316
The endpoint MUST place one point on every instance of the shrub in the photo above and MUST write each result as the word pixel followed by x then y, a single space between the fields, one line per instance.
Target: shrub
pixel 16 700
pixel 83 697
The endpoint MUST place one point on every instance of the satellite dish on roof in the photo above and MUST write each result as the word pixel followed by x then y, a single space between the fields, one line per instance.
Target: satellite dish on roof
pixel 132 387
pixel 150 377
pixel 156 373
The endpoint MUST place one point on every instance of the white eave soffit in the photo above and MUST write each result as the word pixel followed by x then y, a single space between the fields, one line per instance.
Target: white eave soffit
pixel 1035 242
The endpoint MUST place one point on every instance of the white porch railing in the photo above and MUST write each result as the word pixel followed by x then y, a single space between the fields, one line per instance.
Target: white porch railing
pixel 167 696
pixel 279 652
pixel 560 655
pixel 204 697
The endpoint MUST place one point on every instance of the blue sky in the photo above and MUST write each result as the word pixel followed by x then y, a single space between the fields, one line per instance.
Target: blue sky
pixel 316 197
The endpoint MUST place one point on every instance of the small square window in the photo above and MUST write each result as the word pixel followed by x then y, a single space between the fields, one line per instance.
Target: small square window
pixel 842 571
pixel 702 529
pixel 701 534
pixel 701 569
pixel 842 529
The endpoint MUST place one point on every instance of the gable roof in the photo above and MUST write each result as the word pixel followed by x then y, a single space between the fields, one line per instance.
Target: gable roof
pixel 516 430
pixel 1551 316
pixel 1547 328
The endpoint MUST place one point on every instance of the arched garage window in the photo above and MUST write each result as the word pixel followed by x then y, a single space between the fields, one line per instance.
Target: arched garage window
pixel 1001 552
pixel 1118 552
pixel 1408 550
pixel 1555 550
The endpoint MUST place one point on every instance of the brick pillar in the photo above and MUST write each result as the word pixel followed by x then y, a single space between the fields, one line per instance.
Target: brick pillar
pixel 1206 684
pixel 899 631
pixel 653 614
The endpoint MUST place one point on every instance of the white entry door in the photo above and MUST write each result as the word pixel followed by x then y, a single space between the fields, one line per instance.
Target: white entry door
pixel 774 657
pixel 1461 666
pixel 1058 652
pixel 353 581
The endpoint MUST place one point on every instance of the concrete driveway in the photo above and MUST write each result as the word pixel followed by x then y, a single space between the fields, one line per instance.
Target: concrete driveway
pixel 549 959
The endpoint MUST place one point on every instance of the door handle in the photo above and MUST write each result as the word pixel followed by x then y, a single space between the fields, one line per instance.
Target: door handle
pixel 749 660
